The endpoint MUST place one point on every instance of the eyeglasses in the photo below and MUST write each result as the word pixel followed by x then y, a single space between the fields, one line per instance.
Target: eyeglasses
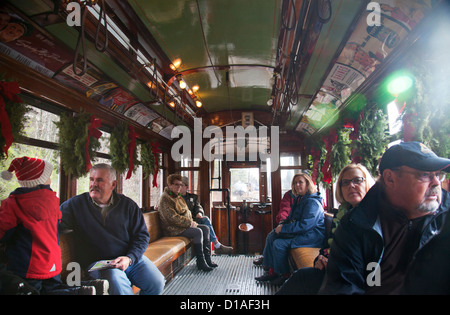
pixel 425 176
pixel 356 181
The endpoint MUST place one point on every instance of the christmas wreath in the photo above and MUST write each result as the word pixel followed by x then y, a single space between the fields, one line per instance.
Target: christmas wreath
pixel 78 148
pixel 12 116
pixel 122 149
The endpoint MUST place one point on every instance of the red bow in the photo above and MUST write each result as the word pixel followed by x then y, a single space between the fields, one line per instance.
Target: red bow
pixel 315 153
pixel 8 90
pixel 408 128
pixel 326 168
pixel 155 150
pixel 92 132
pixel 131 147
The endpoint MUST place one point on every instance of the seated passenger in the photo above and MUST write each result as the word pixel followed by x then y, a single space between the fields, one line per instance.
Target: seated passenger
pixel 376 241
pixel 110 226
pixel 304 227
pixel 199 216
pixel 283 212
pixel 353 182
pixel 176 220
pixel 429 272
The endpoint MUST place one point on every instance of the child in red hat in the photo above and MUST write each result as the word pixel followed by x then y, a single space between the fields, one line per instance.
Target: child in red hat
pixel 29 219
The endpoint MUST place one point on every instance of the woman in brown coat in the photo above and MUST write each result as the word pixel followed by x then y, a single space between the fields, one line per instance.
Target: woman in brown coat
pixel 177 220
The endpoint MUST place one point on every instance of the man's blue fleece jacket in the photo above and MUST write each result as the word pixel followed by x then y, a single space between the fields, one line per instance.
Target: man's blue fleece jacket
pixel 122 233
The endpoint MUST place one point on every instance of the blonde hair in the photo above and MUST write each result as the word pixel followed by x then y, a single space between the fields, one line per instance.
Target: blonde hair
pixel 311 188
pixel 368 180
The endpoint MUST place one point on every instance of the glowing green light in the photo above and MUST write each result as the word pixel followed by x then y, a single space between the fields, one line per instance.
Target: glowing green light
pixel 399 84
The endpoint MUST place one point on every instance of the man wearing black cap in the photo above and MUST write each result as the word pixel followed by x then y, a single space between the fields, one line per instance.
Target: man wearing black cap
pixel 375 243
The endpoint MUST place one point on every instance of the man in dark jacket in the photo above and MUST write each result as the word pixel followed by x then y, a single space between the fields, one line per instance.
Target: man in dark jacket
pixel 375 242
pixel 429 272
pixel 110 226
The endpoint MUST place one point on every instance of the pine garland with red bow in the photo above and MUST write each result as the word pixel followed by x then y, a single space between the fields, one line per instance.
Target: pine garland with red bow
pixel 150 160
pixel 77 149
pixel 122 149
pixel 12 116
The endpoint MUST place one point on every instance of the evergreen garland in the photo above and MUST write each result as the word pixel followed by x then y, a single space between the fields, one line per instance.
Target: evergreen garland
pixel 73 131
pixel 340 152
pixel 119 148
pixel 148 160
pixel 319 149
pixel 372 140
pixel 425 118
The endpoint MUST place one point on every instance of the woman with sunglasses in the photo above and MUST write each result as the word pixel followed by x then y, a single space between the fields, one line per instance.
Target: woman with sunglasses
pixel 353 183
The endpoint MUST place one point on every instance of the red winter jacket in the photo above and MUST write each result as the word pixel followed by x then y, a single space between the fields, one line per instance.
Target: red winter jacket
pixel 29 219
pixel 285 206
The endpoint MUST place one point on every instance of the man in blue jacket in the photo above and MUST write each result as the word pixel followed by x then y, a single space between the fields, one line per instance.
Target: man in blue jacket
pixel 375 243
pixel 110 226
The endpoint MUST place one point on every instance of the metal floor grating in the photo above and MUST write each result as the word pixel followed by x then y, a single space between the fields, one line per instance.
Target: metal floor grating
pixel 234 276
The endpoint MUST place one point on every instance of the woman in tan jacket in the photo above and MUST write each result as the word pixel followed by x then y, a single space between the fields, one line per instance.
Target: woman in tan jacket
pixel 177 220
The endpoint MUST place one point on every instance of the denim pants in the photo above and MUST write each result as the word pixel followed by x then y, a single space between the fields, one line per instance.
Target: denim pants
pixel 206 221
pixel 276 253
pixel 142 274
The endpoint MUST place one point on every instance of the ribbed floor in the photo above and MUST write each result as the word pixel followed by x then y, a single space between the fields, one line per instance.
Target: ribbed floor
pixel 234 276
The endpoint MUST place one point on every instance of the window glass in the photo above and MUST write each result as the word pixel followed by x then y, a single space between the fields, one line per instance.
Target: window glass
pixel 186 162
pixel 290 159
pixel 19 150
pixel 286 179
pixel 395 124
pixel 244 184
pixel 155 192
pixel 194 179
pixel 104 142
pixel 132 187
pixel 216 181
pixel 40 125
pixel 268 181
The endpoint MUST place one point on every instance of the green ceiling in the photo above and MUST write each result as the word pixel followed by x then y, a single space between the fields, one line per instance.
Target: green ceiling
pixel 239 34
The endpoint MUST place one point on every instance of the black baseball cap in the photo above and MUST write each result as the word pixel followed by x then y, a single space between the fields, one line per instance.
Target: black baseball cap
pixel 415 155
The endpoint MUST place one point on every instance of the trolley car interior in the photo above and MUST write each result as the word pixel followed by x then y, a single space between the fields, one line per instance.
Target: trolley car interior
pixel 182 72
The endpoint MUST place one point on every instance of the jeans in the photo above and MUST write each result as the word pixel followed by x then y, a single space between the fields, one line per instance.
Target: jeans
pixel 276 253
pixel 206 221
pixel 142 274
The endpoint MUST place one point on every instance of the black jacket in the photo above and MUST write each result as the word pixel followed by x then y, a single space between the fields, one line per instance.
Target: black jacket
pixel 429 272
pixel 358 244
pixel 193 204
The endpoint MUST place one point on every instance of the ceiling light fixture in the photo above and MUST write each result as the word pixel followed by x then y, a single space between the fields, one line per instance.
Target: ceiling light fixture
pixel 176 63
pixel 181 83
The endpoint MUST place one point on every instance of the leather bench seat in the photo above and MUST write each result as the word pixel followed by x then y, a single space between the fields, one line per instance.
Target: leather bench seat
pixel 165 249
pixel 304 256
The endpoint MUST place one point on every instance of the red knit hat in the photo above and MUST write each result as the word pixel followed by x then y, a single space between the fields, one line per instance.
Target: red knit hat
pixel 30 172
